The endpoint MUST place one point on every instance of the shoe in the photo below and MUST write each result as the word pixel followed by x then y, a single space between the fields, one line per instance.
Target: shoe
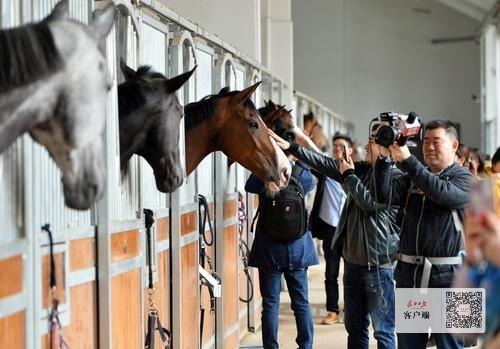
pixel 330 319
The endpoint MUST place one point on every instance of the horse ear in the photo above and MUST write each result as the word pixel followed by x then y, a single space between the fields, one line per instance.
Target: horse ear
pixel 102 22
pixel 271 104
pixel 128 72
pixel 174 84
pixel 59 13
pixel 242 96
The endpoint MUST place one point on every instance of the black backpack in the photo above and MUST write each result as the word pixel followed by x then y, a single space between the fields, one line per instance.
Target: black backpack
pixel 284 216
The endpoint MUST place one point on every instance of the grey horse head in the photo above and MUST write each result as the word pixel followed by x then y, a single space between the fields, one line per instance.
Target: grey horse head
pixel 53 84
pixel 150 114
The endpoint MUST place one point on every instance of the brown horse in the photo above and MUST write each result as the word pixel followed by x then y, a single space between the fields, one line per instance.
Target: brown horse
pixel 278 117
pixel 313 128
pixel 229 122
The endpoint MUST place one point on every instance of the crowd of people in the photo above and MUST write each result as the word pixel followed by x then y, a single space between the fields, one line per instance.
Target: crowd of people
pixel 397 222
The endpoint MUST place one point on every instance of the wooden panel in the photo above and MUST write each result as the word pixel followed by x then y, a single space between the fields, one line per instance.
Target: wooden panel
pixel 189 296
pixel 11 279
pixel 12 331
pixel 242 286
pixel 82 330
pixel 255 201
pixel 230 209
pixel 188 222
pixel 60 280
pixel 124 245
pixel 230 289
pixel 126 310
pixel 232 341
pixel 162 229
pixel 81 254
pixel 161 297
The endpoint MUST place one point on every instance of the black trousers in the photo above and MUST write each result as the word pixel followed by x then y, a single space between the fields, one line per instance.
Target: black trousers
pixel 332 259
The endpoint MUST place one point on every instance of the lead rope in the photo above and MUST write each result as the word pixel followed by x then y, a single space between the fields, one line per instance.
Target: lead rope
pixel 203 218
pixel 57 340
pixel 153 316
pixel 243 247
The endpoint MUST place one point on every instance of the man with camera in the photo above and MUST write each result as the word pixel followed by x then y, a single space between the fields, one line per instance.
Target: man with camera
pixel 433 200
pixel 369 239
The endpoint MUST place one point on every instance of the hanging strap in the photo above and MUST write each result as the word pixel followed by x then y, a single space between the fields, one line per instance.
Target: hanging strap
pixel 153 316
pixel 203 218
pixel 243 247
pixel 57 340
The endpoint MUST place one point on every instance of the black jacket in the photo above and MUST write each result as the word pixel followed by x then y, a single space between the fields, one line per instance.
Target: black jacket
pixel 367 228
pixel 427 228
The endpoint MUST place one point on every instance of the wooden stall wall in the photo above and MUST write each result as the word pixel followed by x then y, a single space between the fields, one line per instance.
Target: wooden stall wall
pixel 101 263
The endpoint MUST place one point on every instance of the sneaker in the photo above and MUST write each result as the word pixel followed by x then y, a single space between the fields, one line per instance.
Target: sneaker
pixel 330 319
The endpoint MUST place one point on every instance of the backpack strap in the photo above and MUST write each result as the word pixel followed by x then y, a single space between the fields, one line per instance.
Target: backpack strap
pixel 296 172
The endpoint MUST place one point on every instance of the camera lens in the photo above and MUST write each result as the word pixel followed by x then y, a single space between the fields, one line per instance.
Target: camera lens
pixel 386 135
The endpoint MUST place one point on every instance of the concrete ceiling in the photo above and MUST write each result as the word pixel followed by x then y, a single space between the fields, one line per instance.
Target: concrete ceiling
pixel 476 9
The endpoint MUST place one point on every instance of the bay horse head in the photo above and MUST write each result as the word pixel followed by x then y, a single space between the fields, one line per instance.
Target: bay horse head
pixel 229 122
pixel 53 84
pixel 315 131
pixel 150 115
pixel 277 117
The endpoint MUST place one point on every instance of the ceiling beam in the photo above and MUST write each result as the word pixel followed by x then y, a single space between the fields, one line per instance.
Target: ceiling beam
pixel 473 9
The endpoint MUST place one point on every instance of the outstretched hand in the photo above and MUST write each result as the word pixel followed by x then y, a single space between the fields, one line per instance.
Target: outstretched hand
pixel 283 144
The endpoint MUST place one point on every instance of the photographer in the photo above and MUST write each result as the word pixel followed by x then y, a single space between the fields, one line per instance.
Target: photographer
pixel 433 201
pixel 368 234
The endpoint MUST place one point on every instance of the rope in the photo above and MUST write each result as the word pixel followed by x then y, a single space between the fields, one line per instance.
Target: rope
pixel 154 323
pixel 57 340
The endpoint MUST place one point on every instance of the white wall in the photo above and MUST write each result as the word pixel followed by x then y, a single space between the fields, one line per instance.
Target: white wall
pixel 363 57
pixel 234 21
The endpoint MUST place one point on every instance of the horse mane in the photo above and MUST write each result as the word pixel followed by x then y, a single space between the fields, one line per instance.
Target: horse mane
pixel 198 112
pixel 28 53
pixel 132 94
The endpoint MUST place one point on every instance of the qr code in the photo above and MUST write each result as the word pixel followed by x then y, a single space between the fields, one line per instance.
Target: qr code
pixel 464 310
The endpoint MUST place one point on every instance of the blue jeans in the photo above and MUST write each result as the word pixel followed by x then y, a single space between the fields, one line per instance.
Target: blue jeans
pixel 270 288
pixel 419 340
pixel 369 293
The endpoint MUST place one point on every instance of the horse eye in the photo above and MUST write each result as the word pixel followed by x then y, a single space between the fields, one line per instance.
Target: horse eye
pixel 254 124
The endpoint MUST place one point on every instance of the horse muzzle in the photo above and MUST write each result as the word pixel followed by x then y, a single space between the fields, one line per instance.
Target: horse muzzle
pixel 83 196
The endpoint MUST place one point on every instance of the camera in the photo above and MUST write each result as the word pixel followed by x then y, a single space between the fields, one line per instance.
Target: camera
pixel 401 128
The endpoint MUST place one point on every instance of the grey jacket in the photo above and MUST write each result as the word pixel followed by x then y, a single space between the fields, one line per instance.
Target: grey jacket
pixel 368 229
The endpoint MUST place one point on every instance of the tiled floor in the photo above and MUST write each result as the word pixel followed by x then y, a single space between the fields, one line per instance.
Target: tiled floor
pixel 325 336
